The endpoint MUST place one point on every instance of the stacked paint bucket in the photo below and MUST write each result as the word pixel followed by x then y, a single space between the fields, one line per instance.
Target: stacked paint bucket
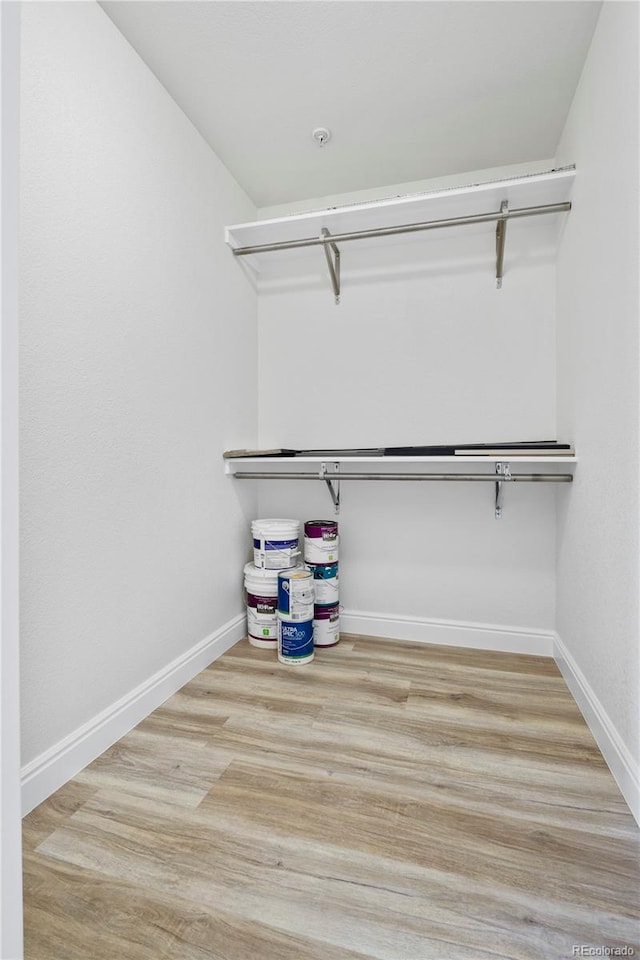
pixel 295 615
pixel 321 544
pixel 275 548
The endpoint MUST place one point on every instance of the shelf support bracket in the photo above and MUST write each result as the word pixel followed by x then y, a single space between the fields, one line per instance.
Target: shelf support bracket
pixel 333 264
pixel 503 473
pixel 334 491
pixel 501 230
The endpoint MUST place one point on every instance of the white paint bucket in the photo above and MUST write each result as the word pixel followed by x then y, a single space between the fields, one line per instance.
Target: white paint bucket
pixel 296 594
pixel 275 543
pixel 262 601
pixel 326 625
pixel 321 541
pixel 325 582
pixel 295 640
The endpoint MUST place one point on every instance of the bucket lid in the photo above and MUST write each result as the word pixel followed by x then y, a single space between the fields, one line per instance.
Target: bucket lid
pixel 275 523
pixel 295 573
pixel 318 527
pixel 266 573
pixel 260 573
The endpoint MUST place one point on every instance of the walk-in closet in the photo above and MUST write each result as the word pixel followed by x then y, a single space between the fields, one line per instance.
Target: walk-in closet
pixel 370 270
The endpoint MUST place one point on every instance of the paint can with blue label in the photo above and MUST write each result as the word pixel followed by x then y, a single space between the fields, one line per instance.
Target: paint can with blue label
pixel 325 581
pixel 296 594
pixel 326 625
pixel 295 640
pixel 275 543
pixel 321 541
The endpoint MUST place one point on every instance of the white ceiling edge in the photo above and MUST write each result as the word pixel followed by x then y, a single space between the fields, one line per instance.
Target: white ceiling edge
pixel 409 89
pixel 387 191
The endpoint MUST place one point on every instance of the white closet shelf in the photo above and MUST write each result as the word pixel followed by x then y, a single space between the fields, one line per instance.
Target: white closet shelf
pixel 329 469
pixel 497 201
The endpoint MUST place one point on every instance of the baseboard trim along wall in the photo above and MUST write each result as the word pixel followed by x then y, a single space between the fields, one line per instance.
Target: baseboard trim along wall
pixel 49 771
pixel 457 633
pixel 624 769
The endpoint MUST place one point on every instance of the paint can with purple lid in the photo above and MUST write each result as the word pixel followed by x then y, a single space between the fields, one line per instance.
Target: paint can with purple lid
pixel 321 541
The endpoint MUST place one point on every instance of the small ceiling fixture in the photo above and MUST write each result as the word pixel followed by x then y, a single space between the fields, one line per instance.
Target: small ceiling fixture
pixel 321 135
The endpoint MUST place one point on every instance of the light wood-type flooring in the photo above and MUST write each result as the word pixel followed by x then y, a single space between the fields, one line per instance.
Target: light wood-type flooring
pixel 389 800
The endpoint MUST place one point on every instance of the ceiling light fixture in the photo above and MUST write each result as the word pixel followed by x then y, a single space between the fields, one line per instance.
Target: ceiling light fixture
pixel 321 135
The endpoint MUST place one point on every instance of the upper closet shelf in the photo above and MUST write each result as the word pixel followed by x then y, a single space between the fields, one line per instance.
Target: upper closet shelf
pixel 496 202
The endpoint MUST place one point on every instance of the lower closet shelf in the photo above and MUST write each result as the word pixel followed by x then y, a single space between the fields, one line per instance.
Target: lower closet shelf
pixel 443 469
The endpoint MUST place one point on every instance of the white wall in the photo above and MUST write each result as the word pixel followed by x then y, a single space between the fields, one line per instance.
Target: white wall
pixel 10 847
pixel 421 349
pixel 598 315
pixel 138 356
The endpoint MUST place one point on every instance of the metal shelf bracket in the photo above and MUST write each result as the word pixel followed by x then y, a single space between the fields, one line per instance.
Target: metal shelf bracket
pixel 503 472
pixel 333 264
pixel 501 231
pixel 334 491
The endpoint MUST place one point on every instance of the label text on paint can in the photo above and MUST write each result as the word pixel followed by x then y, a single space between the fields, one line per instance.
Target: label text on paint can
pixel 317 550
pixel 321 541
pixel 262 630
pixel 261 605
pixel 275 554
pixel 326 625
pixel 321 529
pixel 325 581
pixel 296 594
pixel 295 640
pixel 261 617
pixel 269 545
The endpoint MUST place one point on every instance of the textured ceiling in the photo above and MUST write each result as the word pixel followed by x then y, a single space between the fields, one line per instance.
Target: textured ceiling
pixel 411 89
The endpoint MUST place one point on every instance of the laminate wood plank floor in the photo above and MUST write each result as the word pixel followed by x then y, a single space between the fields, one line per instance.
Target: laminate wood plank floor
pixel 388 801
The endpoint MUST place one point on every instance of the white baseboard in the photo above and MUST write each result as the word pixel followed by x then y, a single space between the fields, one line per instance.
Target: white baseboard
pixel 458 633
pixel 623 767
pixel 49 771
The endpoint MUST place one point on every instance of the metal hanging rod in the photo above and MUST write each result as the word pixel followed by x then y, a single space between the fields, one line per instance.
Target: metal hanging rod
pixel 329 241
pixel 526 477
pixel 334 238
pixel 502 475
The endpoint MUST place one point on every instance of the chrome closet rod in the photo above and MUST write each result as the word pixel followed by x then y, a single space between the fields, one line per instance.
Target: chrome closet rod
pixel 487 477
pixel 407 228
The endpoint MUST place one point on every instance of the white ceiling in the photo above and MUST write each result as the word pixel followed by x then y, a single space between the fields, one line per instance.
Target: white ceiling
pixel 411 89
